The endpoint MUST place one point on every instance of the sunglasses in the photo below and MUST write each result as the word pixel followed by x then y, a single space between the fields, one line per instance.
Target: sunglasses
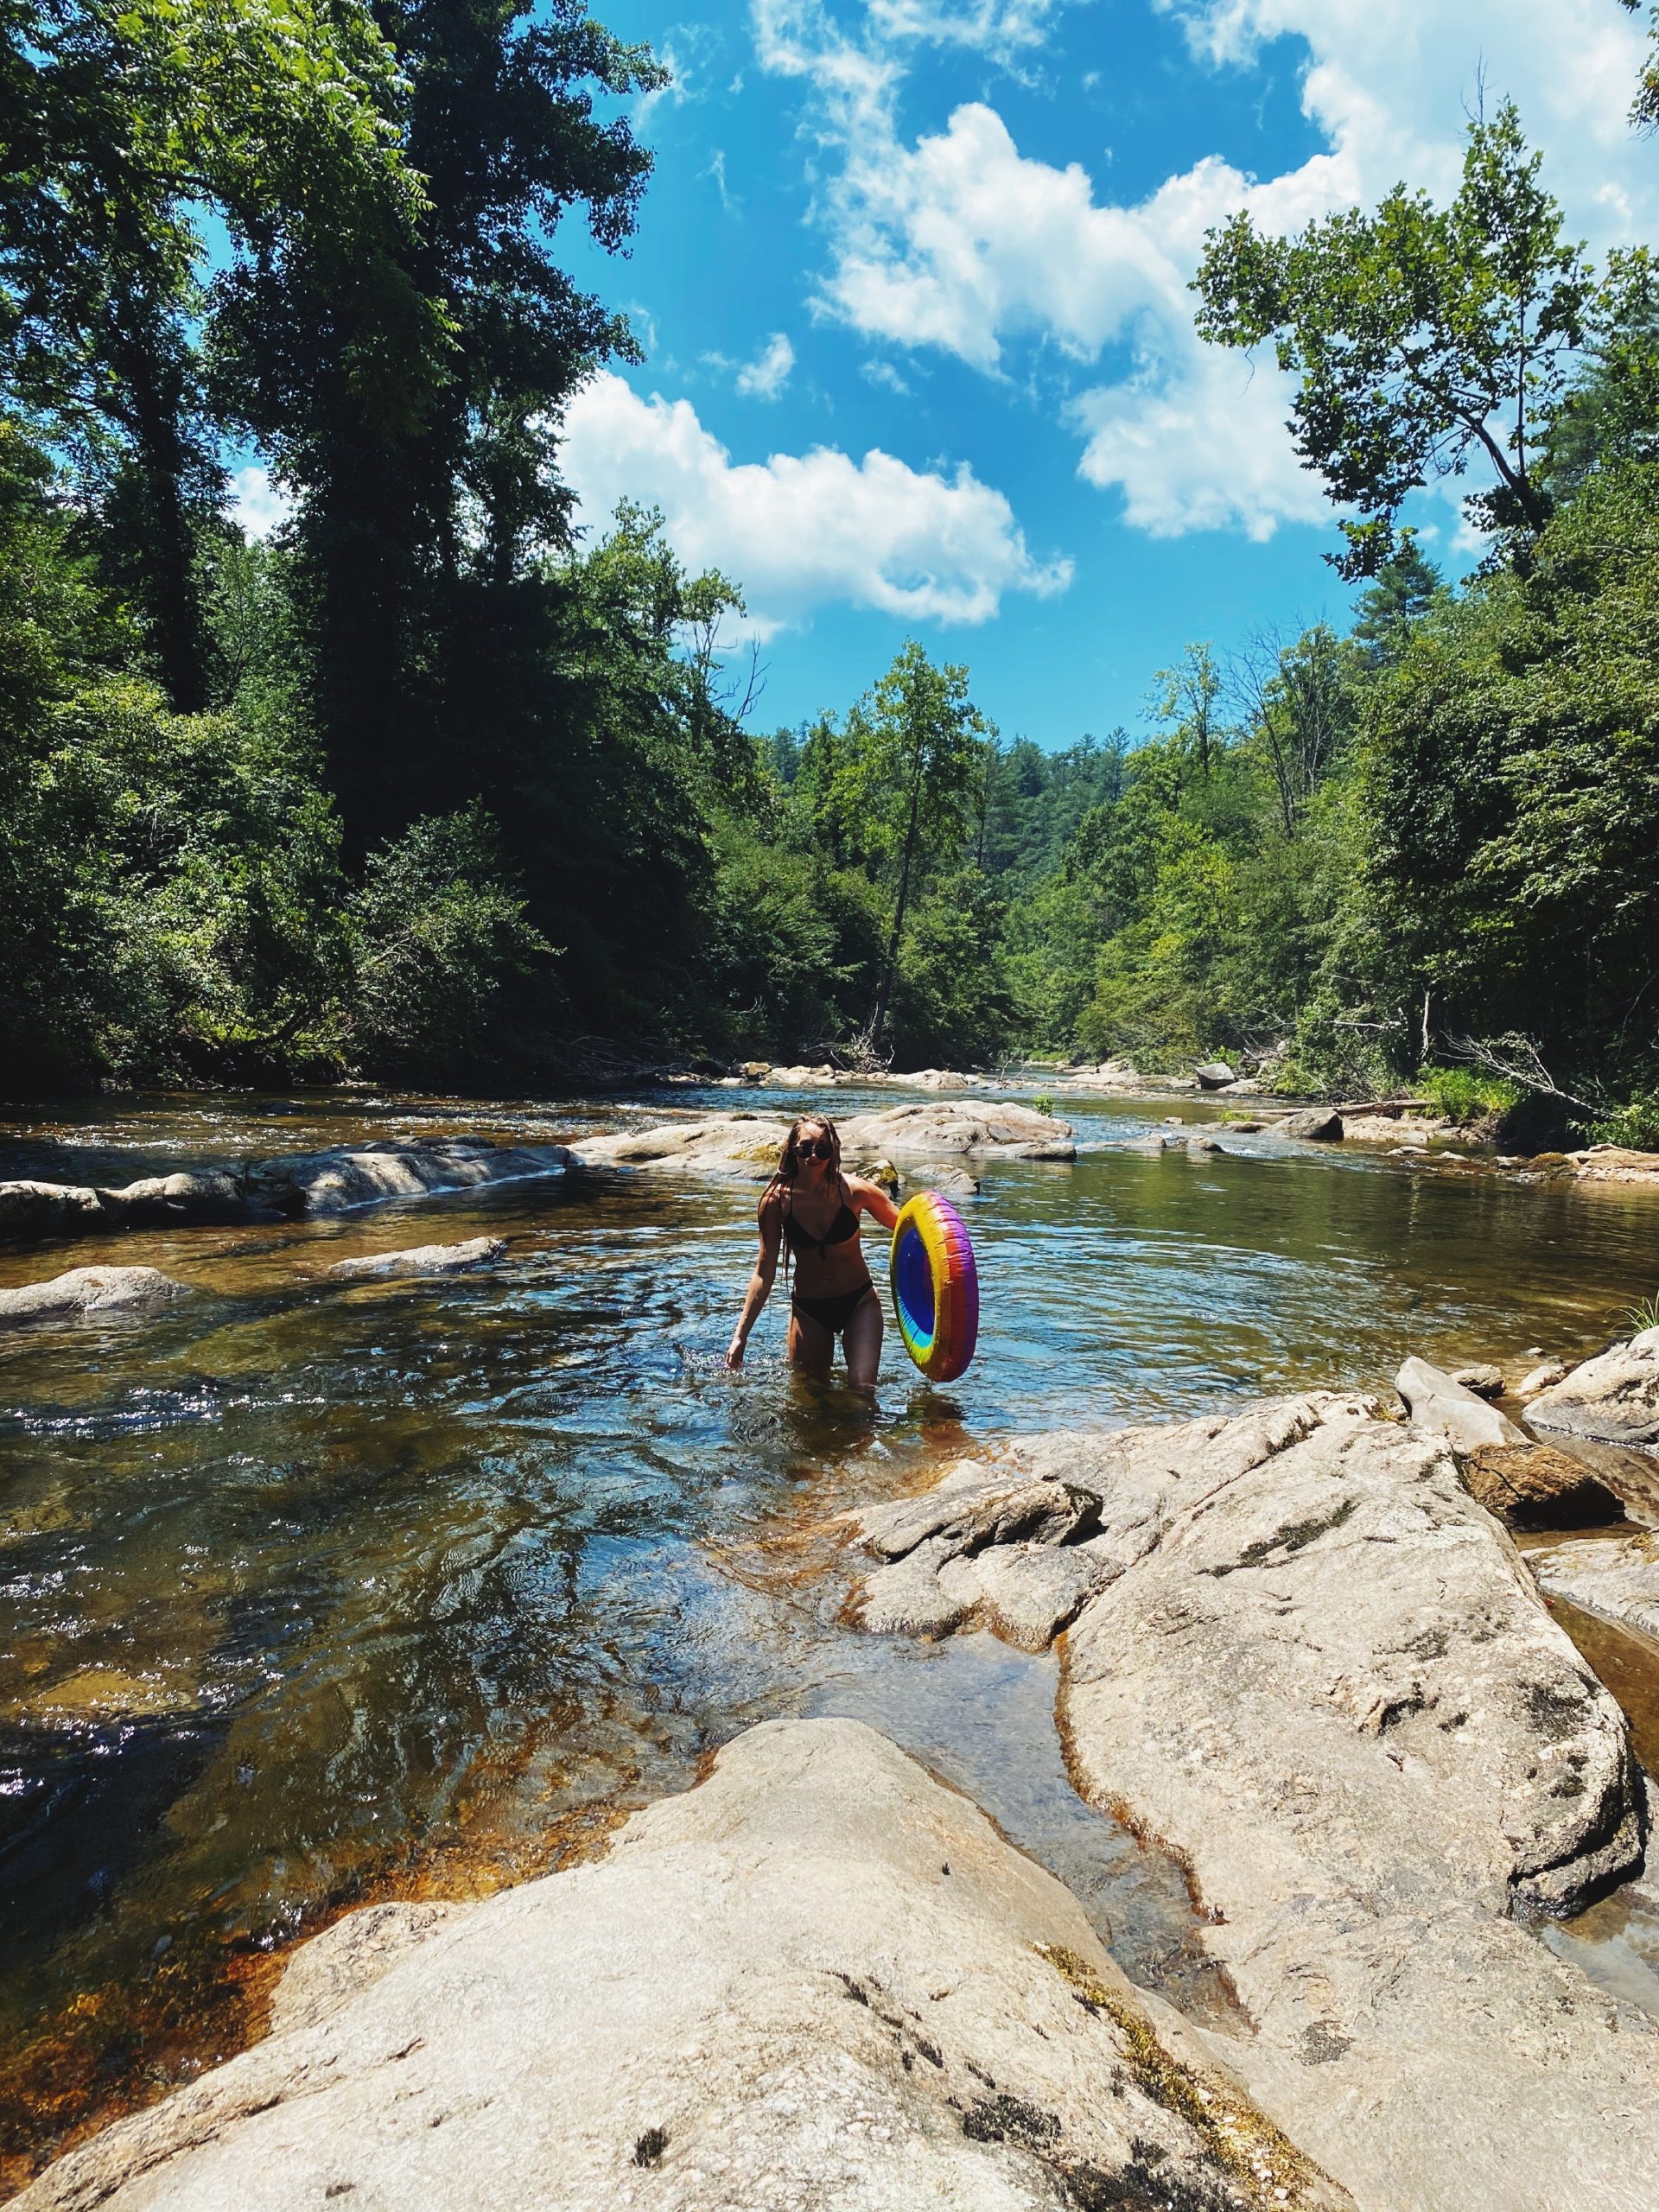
pixel 816 1148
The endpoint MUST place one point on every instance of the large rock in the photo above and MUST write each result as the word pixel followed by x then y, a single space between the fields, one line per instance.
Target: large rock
pixel 935 1129
pixel 1436 1402
pixel 1617 1577
pixel 1611 1400
pixel 313 1182
pixel 339 1182
pixel 1321 1674
pixel 1319 1123
pixel 820 1980
pixel 90 1290
pixel 1534 1486
pixel 422 1260
pixel 1215 1075
pixel 745 1147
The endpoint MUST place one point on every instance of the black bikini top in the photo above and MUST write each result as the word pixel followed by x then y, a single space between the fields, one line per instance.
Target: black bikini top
pixel 844 1225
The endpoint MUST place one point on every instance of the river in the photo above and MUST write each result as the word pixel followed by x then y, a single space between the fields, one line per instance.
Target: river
pixel 316 1594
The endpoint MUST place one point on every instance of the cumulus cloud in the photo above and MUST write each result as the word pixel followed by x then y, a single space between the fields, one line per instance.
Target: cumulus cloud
pixel 803 530
pixel 956 241
pixel 257 503
pixel 765 377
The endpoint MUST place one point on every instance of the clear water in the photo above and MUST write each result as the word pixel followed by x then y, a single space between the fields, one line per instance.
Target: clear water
pixel 312 1593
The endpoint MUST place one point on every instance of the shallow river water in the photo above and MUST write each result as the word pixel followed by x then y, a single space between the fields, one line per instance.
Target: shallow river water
pixel 313 1593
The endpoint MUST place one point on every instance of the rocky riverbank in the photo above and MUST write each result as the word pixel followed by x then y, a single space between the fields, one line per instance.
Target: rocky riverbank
pixel 1295 1651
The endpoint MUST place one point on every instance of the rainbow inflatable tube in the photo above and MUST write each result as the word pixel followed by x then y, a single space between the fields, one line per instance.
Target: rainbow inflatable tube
pixel 935 1286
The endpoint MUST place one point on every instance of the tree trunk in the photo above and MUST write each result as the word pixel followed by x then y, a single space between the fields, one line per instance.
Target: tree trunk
pixel 879 1018
pixel 167 560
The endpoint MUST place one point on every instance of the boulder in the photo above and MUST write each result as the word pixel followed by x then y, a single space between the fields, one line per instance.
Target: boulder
pixel 30 1208
pixel 90 1290
pixel 1152 1145
pixel 745 1147
pixel 1534 1486
pixel 1615 1577
pixel 1326 1680
pixel 953 1183
pixel 1615 1163
pixel 1542 1377
pixel 1215 1075
pixel 423 1260
pixel 820 1979
pixel 1319 1123
pixel 339 1182
pixel 1434 1401
pixel 1200 1147
pixel 974 1505
pixel 1485 1381
pixel 937 1129
pixel 1611 1400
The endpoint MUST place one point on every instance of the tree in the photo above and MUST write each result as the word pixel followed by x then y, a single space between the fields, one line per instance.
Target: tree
pixel 423 476
pixel 1644 110
pixel 1186 697
pixel 1419 335
pixel 1400 594
pixel 119 127
pixel 919 780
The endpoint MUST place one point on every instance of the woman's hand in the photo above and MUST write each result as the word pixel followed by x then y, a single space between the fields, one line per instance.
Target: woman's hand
pixel 734 1352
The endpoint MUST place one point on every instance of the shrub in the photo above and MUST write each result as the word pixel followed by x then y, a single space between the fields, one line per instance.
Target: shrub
pixel 1635 1124
pixel 1463 1094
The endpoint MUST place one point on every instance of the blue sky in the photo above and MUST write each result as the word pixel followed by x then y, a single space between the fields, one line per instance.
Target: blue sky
pixel 910 276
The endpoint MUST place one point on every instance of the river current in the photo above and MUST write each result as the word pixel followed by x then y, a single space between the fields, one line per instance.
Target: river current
pixel 315 1594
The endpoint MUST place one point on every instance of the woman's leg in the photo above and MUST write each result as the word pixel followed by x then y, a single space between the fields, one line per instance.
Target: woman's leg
pixel 863 1341
pixel 811 1346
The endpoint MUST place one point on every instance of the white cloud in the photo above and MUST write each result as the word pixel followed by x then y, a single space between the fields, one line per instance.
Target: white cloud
pixel 799 532
pixel 257 503
pixel 957 241
pixel 765 377
pixel 885 378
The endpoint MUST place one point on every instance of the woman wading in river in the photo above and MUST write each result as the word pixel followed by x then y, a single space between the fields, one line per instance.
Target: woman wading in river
pixel 814 1209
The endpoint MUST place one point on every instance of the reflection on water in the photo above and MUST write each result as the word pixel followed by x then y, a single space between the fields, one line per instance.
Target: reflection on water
pixel 311 1591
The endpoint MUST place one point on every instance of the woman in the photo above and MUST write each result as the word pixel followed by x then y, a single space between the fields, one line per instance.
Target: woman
pixel 813 1208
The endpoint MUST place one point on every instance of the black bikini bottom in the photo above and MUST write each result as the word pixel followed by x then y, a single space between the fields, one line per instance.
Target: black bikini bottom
pixel 832 1313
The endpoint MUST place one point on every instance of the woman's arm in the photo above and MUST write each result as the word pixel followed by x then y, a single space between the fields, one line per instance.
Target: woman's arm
pixel 761 1282
pixel 871 1198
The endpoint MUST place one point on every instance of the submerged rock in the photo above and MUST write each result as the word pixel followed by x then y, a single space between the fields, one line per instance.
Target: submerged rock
pixel 303 1183
pixel 818 1979
pixel 1542 1377
pixel 423 1260
pixel 953 1183
pixel 1534 1486
pixel 1611 1400
pixel 90 1290
pixel 1319 1671
pixel 1617 1577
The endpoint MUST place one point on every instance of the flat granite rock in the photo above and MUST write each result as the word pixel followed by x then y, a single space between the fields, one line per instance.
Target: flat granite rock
pixel 1611 1400
pixel 1328 1683
pixel 90 1290
pixel 1615 1577
pixel 820 1981
pixel 744 1147
pixel 422 1260
pixel 1435 1401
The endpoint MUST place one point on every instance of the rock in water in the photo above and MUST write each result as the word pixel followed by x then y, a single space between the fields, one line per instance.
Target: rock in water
pixel 1485 1380
pixel 1534 1486
pixel 90 1290
pixel 1318 1123
pixel 339 1182
pixel 819 1980
pixel 1327 1683
pixel 1616 1578
pixel 423 1260
pixel 1541 1378
pixel 1612 1399
pixel 1215 1075
pixel 1434 1401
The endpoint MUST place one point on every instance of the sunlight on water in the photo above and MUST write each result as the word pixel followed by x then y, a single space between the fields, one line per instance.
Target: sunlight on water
pixel 313 1593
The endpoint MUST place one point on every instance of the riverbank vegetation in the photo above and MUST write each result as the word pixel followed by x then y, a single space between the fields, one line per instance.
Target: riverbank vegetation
pixel 423 786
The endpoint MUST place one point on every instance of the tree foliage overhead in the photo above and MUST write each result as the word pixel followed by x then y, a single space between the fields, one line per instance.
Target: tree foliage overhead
pixel 1420 335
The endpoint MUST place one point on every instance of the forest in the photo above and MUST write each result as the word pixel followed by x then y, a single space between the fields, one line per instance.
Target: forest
pixel 429 786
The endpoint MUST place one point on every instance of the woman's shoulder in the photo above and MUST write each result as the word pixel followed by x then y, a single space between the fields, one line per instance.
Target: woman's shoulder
pixel 772 1203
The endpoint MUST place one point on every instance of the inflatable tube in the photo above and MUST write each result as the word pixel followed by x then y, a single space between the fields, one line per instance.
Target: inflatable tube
pixel 935 1286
